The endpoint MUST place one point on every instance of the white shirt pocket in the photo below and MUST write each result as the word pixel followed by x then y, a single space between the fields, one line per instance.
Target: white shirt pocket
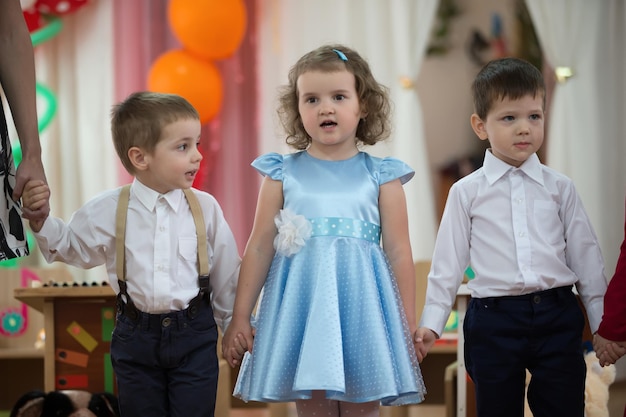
pixel 187 248
pixel 547 221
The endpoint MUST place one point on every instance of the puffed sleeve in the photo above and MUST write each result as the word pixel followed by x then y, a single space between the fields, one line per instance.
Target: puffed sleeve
pixel 270 165
pixel 392 168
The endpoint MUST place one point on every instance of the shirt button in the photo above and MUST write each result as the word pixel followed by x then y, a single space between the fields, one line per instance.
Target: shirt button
pixel 522 234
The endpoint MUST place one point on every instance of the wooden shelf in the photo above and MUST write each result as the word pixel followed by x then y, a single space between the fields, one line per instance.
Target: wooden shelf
pixel 36 297
pixel 21 353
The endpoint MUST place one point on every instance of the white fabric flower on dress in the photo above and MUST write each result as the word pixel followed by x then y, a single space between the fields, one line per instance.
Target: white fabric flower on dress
pixel 293 232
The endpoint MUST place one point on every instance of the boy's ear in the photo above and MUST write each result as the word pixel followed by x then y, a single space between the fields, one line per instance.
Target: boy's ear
pixel 479 126
pixel 138 158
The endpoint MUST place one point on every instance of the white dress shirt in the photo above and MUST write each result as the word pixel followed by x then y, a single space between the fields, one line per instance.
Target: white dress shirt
pixel 521 230
pixel 161 248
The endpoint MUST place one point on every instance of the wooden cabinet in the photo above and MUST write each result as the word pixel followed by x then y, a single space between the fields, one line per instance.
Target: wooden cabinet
pixel 21 328
pixel 78 321
pixel 21 370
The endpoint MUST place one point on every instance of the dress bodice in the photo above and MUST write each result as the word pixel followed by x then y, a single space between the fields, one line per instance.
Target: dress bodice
pixel 342 189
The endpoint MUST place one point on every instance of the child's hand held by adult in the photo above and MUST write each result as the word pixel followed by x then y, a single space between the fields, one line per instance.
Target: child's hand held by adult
pixel 36 199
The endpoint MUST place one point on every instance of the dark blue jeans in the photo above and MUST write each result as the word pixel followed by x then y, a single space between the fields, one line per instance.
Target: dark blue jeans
pixel 541 332
pixel 166 364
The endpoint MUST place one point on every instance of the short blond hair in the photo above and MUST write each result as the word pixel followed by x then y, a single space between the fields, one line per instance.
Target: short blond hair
pixel 139 121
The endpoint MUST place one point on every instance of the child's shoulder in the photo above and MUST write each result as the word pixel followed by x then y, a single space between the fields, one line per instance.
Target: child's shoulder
pixel 270 157
pixel 470 179
pixel 100 208
pixel 105 198
pixel 206 199
pixel 558 183
pixel 389 168
pixel 211 207
pixel 271 164
pixel 276 158
pixel 553 174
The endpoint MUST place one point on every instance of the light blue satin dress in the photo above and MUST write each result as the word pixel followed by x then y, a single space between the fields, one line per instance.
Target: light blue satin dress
pixel 330 316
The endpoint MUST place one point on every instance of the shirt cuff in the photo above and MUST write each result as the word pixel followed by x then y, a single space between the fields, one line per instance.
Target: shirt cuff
pixel 434 318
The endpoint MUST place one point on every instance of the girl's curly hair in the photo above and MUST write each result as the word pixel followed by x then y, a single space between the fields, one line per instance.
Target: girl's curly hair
pixel 373 97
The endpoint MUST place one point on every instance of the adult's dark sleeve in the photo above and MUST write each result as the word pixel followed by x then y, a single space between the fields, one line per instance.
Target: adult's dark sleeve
pixel 613 325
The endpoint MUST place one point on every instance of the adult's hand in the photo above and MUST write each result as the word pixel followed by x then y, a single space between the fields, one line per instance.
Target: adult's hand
pixel 30 169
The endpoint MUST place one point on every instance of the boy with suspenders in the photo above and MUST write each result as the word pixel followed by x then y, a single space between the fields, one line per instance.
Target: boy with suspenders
pixel 159 240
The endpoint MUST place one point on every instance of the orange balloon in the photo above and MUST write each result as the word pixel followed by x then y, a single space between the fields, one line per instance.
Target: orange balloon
pixel 212 29
pixel 199 81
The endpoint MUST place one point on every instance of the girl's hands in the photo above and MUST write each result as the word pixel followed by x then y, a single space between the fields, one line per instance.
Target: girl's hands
pixel 238 339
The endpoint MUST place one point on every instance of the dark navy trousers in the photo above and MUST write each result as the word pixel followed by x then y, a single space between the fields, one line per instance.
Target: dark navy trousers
pixel 541 332
pixel 166 365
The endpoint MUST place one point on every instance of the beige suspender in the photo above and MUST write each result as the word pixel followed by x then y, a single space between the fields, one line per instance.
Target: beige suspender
pixel 198 219
pixel 120 232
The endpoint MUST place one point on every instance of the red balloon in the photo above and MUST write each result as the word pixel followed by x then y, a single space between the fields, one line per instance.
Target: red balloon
pixel 199 81
pixel 212 29
pixel 59 7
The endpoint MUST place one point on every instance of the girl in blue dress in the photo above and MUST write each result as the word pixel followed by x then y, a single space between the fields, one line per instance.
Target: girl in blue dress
pixel 334 326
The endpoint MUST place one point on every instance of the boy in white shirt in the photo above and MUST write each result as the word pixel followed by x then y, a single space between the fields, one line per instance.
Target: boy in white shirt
pixel 158 239
pixel 523 229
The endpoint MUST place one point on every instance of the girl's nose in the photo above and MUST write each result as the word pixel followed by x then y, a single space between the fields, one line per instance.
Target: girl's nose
pixel 327 108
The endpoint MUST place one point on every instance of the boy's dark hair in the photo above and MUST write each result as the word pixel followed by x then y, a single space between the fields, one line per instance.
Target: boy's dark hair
pixel 373 97
pixel 511 78
pixel 139 121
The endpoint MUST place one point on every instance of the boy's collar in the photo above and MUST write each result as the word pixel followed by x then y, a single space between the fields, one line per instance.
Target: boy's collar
pixel 494 168
pixel 148 197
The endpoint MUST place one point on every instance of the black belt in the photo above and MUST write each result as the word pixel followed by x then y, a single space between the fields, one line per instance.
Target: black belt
pixel 164 319
pixel 129 309
pixel 535 297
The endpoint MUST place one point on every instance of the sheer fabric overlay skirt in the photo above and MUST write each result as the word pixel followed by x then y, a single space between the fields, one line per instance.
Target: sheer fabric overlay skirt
pixel 330 318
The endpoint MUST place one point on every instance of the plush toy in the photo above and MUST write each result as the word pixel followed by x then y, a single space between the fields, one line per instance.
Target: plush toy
pixel 597 385
pixel 70 403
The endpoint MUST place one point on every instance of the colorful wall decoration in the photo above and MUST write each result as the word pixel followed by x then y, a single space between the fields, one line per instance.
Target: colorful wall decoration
pixel 14 321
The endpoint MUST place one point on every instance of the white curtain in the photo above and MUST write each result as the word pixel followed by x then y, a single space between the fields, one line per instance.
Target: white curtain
pixel 79 158
pixel 392 36
pixel 585 140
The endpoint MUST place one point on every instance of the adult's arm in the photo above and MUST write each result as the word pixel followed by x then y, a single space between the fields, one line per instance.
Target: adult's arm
pixel 17 78
pixel 613 325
